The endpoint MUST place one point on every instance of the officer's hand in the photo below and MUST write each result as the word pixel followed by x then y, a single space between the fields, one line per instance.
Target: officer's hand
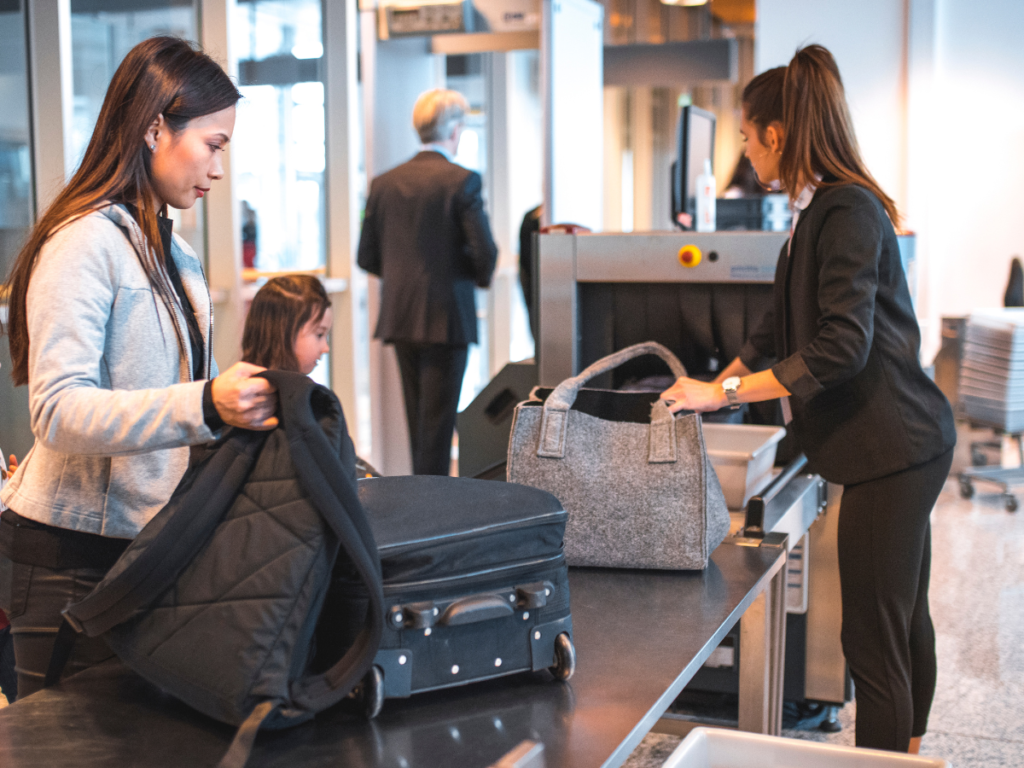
pixel 692 395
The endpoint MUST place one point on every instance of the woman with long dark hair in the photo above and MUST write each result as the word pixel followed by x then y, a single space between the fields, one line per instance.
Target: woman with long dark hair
pixel 110 326
pixel 845 340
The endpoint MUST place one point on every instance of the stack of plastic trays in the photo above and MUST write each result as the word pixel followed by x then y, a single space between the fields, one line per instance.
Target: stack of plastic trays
pixel 992 371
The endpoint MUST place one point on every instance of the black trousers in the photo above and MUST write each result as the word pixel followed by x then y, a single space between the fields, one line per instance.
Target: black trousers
pixel 884 566
pixel 43 569
pixel 8 675
pixel 431 383
pixel 33 598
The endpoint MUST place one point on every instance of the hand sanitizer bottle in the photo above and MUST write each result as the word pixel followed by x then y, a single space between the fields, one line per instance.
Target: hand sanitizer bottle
pixel 706 216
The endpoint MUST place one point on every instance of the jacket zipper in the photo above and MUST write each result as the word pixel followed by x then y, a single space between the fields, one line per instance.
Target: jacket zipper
pixel 176 318
pixel 209 332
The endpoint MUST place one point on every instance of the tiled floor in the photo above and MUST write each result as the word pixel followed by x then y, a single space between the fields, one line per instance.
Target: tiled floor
pixel 977 602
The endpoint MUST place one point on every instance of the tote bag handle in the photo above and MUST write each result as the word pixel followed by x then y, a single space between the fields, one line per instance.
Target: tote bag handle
pixel 555 421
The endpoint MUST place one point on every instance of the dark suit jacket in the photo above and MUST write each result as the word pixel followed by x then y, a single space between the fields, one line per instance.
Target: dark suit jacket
pixel 528 265
pixel 843 329
pixel 426 236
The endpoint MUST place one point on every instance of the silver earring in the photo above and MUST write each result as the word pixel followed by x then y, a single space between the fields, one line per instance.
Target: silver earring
pixel 152 147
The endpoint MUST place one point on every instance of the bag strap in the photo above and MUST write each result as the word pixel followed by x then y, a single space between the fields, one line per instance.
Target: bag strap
pixel 198 508
pixel 63 644
pixel 332 490
pixel 555 418
pixel 245 737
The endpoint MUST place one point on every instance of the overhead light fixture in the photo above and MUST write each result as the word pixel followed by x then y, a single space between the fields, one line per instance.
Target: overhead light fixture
pixel 685 2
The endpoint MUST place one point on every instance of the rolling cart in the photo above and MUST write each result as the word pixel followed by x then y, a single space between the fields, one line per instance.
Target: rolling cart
pixel 991 393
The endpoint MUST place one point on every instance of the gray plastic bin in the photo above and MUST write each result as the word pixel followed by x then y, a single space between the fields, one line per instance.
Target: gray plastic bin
pixel 718 748
pixel 743 456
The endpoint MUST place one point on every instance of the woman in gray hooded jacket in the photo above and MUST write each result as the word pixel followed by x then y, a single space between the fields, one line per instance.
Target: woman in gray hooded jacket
pixel 110 325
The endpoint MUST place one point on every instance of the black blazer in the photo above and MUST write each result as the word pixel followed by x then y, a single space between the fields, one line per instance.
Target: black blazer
pixel 843 329
pixel 426 236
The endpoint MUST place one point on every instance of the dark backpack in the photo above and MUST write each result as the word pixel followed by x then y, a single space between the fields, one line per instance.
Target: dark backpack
pixel 220 599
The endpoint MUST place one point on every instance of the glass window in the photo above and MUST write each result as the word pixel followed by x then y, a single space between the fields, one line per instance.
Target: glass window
pixel 102 33
pixel 279 152
pixel 15 161
pixel 16 206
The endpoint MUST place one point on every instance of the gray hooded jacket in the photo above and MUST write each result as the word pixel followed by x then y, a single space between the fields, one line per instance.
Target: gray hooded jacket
pixel 112 401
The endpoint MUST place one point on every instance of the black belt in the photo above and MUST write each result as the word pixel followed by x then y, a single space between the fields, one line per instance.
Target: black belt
pixel 30 543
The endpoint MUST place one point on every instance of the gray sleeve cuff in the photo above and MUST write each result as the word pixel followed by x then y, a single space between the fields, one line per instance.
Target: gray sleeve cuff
pixel 795 376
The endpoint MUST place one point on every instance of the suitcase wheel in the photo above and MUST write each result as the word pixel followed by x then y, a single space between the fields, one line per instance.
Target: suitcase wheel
pixel 369 694
pixel 565 658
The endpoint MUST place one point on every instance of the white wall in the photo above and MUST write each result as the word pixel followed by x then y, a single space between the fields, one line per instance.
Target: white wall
pixel 974 129
pixel 572 56
pixel 936 90
pixel 867 39
pixel 405 69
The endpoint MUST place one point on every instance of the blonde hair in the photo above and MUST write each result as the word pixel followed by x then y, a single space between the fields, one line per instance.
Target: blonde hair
pixel 436 114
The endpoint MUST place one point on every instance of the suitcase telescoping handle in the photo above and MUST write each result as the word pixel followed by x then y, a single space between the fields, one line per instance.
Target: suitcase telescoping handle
pixel 555 421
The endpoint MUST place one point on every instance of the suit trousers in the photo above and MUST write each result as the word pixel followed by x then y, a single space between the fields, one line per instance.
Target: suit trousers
pixel 884 567
pixel 431 383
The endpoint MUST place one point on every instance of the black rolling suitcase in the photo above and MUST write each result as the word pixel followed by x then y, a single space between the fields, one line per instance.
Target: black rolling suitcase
pixel 475 583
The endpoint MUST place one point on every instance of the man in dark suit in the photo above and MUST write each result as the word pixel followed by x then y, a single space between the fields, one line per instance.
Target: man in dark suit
pixel 425 234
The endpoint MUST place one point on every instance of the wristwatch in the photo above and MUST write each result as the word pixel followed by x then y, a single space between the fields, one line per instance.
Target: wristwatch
pixel 730 386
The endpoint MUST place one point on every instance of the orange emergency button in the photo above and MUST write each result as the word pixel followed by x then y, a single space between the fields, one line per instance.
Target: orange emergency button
pixel 689 255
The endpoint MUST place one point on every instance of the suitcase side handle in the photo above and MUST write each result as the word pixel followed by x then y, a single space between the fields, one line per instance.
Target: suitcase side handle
pixel 470 610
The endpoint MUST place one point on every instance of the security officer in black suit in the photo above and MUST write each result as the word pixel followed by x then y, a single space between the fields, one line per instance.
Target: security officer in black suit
pixel 846 343
pixel 425 234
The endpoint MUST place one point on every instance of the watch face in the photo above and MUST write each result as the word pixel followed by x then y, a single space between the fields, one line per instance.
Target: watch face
pixel 731 384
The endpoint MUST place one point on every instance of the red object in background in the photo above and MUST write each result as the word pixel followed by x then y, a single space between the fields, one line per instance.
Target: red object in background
pixel 248 254
pixel 564 229
pixel 4 623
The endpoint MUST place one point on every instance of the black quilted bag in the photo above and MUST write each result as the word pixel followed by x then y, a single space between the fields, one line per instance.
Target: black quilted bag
pixel 221 598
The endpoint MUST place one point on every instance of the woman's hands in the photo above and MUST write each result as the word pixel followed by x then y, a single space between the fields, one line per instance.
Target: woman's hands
pixel 692 395
pixel 244 399
pixel 11 466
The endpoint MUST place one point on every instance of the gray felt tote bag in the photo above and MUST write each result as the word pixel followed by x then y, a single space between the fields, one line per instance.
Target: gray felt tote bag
pixel 636 480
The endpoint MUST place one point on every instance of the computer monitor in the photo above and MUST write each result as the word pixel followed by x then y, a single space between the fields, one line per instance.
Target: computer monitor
pixel 695 144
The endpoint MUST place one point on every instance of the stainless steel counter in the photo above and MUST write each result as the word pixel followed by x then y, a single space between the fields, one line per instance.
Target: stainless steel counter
pixel 640 637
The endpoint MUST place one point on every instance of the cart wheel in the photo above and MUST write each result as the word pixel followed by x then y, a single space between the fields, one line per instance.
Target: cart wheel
pixel 966 488
pixel 369 694
pixel 565 658
pixel 1010 502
